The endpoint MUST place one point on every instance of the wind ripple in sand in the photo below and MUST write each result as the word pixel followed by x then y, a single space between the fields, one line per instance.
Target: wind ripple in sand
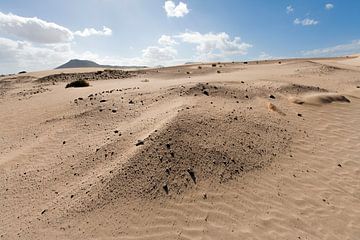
pixel 320 99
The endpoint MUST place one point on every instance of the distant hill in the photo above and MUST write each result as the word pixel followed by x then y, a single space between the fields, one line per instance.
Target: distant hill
pixel 77 63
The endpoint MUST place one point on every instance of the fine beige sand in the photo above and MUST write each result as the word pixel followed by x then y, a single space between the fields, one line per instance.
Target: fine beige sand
pixel 257 150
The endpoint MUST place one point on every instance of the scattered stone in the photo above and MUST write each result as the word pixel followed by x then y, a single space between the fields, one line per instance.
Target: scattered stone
pixel 272 96
pixel 299 115
pixel 206 93
pixel 192 174
pixel 131 102
pixel 218 71
pixel 339 165
pixel 43 211
pixel 114 110
pixel 64 142
pixel 166 188
pixel 140 142
pixel 103 100
pixel 82 77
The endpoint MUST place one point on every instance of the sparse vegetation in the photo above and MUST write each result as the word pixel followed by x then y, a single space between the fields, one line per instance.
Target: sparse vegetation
pixel 78 83
pixel 213 65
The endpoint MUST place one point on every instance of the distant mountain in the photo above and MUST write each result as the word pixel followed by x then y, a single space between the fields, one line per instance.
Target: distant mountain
pixel 76 63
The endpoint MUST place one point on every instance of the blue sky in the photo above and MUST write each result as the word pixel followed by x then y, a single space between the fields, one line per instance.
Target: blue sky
pixel 37 34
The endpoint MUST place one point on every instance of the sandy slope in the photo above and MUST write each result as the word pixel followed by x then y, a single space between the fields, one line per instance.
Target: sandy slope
pixel 263 150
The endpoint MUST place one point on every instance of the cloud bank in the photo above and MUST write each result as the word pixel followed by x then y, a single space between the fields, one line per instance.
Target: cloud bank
pixel 215 45
pixel 40 31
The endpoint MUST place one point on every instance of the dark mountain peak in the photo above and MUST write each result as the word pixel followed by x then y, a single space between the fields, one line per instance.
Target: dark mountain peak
pixel 77 63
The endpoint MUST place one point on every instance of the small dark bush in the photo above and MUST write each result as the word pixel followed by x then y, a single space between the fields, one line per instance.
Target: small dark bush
pixel 213 65
pixel 199 67
pixel 78 83
pixel 22 72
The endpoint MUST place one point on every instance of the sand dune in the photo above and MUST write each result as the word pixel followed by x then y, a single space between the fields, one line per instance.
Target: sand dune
pixel 186 152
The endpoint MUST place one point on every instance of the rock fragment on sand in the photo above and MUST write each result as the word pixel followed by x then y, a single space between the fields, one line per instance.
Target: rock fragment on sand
pixel 192 174
pixel 139 143
pixel 166 188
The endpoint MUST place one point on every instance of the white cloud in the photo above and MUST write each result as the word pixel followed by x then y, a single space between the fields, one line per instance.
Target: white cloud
pixel 93 32
pixel 329 6
pixel 39 31
pixel 342 49
pixel 265 56
pixel 305 22
pixel 34 29
pixel 166 40
pixel 22 55
pixel 289 9
pixel 159 54
pixel 211 45
pixel 173 10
